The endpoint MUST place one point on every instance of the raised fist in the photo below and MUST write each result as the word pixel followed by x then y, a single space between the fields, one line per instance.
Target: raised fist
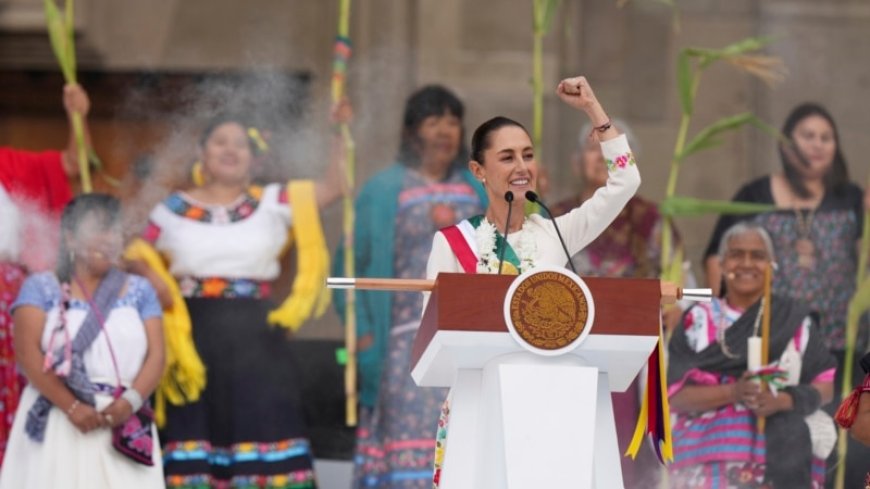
pixel 577 93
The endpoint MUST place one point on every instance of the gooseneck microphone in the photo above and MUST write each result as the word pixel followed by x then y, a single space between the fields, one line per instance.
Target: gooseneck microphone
pixel 508 197
pixel 533 197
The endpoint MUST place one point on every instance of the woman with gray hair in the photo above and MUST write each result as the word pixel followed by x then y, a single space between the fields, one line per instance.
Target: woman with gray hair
pixel 711 386
pixel 629 247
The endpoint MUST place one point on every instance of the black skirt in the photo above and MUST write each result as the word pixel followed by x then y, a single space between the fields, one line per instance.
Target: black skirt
pixel 247 428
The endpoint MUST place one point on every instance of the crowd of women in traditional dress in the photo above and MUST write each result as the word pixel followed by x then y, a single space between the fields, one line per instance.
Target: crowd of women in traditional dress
pixel 89 336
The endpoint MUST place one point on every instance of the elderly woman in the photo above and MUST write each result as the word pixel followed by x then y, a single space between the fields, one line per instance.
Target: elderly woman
pixel 89 338
pixel 710 387
pixel 630 247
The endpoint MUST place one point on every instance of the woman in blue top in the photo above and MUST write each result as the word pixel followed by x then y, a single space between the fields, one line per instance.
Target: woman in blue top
pixel 89 338
pixel 398 211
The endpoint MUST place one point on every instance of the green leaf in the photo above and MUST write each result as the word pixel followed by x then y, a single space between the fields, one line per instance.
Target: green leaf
pixel 60 40
pixel 709 56
pixel 707 137
pixel 543 12
pixel 690 206
pixel 684 82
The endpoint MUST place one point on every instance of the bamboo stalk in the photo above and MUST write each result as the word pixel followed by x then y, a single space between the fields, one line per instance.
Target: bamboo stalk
pixel 350 332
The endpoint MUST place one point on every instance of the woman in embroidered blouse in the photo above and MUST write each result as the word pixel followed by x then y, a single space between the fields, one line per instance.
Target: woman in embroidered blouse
pixel 709 385
pixel 815 229
pixel 629 247
pixel 111 323
pixel 503 159
pixel 223 240
pixel 398 210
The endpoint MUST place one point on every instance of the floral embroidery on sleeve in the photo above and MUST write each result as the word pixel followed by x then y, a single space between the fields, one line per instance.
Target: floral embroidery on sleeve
pixel 620 162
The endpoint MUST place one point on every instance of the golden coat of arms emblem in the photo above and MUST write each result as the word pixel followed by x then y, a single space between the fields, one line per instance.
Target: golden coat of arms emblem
pixel 549 309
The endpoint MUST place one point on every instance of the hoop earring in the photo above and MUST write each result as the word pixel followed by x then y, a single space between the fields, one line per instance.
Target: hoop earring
pixel 197 174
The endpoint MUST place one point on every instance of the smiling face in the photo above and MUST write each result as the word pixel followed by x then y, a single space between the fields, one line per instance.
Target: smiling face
pixel 744 262
pixel 508 164
pixel 226 154
pixel 814 138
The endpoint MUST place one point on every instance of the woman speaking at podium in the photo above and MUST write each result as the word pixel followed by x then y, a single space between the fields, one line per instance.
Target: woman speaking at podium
pixel 503 160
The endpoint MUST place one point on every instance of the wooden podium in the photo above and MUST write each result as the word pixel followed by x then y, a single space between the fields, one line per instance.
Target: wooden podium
pixel 519 420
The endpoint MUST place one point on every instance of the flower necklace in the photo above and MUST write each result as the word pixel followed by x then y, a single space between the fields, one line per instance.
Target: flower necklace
pixel 488 239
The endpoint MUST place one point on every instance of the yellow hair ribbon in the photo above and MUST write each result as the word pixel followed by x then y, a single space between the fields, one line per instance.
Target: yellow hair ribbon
pixel 308 296
pixel 258 139
pixel 184 376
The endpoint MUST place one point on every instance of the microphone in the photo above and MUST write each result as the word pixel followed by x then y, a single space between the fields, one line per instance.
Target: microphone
pixel 533 197
pixel 509 198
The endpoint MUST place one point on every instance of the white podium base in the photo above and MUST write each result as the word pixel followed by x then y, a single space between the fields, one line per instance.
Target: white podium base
pixel 526 422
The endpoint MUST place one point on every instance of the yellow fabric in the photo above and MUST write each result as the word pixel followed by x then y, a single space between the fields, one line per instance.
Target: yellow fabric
pixel 308 296
pixel 666 445
pixel 184 376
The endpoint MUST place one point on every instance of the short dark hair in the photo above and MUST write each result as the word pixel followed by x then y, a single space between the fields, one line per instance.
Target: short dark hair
pixel 103 206
pixel 838 175
pixel 480 140
pixel 431 100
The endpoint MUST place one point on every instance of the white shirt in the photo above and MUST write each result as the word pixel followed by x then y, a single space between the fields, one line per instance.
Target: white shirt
pixel 245 248
pixel 579 227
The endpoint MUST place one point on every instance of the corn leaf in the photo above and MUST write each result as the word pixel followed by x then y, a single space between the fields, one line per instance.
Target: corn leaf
pixel 57 35
pixel 69 23
pixel 684 82
pixel 689 206
pixel 544 11
pixel 707 137
pixel 709 56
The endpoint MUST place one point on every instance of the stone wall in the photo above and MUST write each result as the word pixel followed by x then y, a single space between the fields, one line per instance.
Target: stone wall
pixel 482 49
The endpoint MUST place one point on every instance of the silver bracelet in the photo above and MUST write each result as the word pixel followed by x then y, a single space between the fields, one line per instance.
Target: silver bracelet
pixel 134 398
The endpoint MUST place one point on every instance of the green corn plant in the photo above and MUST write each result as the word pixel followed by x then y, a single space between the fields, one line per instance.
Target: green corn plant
pixel 691 63
pixel 61 35
pixel 543 12
pixel 858 305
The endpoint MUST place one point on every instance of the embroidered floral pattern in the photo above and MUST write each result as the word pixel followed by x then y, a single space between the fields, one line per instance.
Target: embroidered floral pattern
pixel 11 382
pixel 441 443
pixel 620 162
pixel 223 288
pixel 302 479
pixel 243 208
pixel 833 233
